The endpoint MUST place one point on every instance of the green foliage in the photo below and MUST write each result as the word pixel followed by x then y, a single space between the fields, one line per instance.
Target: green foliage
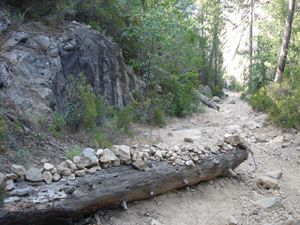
pixel 233 84
pixel 124 118
pixel 3 133
pixel 281 102
pixel 261 101
pixel 75 151
pixel 58 125
pixel 82 104
pixel 3 193
pixel 159 118
pixel 100 140
pixel 23 156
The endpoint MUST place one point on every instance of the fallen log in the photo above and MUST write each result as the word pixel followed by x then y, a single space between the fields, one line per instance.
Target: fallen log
pixel 65 201
pixel 206 101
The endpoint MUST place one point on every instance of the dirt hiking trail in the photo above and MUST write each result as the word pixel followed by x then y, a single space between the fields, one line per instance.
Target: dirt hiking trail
pixel 226 200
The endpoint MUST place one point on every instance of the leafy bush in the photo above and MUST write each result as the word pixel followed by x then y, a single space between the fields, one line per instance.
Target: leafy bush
pixel 124 118
pixel 84 108
pixel 3 193
pixel 179 94
pixel 261 101
pixel 281 102
pixel 57 127
pixel 23 156
pixel 3 133
pixel 233 84
pixel 73 152
pixel 158 118
pixel 100 140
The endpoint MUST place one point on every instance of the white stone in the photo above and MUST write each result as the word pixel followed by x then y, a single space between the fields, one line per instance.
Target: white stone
pixel 11 176
pixel 139 164
pixel 19 170
pixel 90 154
pixel 275 174
pixel 124 153
pixel 2 176
pixel 10 185
pixel 233 140
pixel 81 162
pixel 71 165
pixel 108 156
pixel 268 202
pixel 56 177
pixel 48 178
pixel 48 166
pixel 189 163
pixel 99 152
pixel 66 172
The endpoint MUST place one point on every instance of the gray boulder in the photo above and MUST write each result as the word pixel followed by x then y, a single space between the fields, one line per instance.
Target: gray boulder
pixel 90 154
pixel 19 170
pixel 34 175
pixel 268 202
pixel 36 66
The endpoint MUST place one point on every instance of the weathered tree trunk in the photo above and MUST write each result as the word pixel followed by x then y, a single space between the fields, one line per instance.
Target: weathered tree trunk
pixel 251 37
pixel 285 41
pixel 206 101
pixel 65 201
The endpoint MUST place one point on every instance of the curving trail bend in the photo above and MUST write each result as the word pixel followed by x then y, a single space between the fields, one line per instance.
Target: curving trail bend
pixel 229 199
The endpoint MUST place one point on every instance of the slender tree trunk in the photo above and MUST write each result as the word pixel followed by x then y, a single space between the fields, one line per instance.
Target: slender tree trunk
pixel 251 37
pixel 285 41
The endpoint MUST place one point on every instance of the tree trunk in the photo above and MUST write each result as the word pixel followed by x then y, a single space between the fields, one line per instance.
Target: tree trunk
pixel 251 37
pixel 112 187
pixel 285 41
pixel 206 101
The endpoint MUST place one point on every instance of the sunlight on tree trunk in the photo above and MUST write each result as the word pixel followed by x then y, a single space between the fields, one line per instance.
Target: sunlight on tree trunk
pixel 251 37
pixel 285 41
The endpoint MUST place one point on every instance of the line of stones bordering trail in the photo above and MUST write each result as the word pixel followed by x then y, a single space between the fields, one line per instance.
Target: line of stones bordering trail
pixel 165 169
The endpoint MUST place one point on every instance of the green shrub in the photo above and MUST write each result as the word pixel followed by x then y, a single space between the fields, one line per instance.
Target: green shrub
pixel 158 118
pixel 23 156
pixel 57 127
pixel 100 140
pixel 281 101
pixel 261 101
pixel 75 151
pixel 3 193
pixel 83 107
pixel 179 95
pixel 3 133
pixel 124 119
pixel 233 84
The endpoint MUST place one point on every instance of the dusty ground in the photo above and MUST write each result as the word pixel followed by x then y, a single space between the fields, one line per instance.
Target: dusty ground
pixel 224 199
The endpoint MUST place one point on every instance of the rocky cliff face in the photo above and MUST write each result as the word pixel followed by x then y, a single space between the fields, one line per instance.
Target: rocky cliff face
pixel 36 62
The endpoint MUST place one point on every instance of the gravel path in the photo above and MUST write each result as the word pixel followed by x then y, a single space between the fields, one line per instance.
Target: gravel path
pixel 227 200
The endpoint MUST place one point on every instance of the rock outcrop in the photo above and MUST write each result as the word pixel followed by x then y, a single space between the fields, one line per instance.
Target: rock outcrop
pixel 38 61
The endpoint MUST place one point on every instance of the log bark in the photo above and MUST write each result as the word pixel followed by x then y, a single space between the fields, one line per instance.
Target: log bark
pixel 206 101
pixel 110 188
